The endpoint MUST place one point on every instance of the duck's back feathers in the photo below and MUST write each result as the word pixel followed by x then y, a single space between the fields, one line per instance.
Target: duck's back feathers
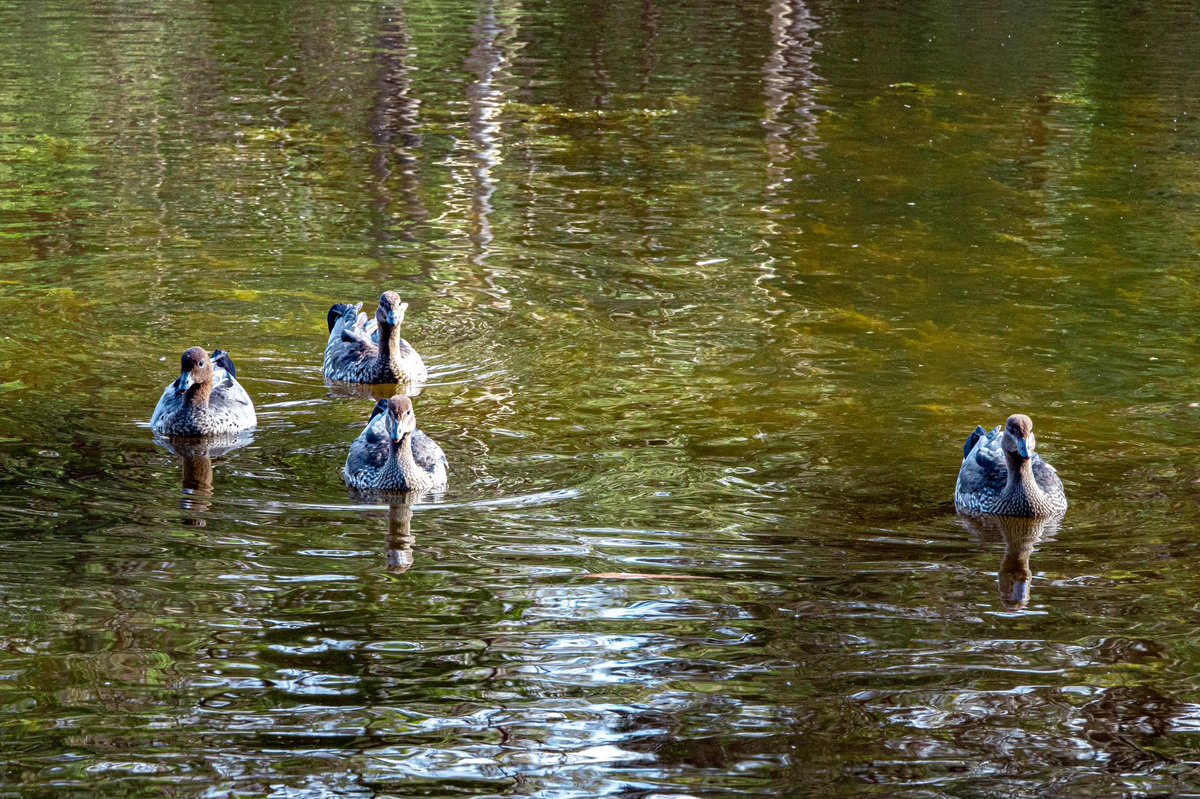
pixel 221 358
pixel 983 473
pixel 973 439
pixel 229 403
pixel 1048 480
pixel 339 311
pixel 369 452
pixel 169 404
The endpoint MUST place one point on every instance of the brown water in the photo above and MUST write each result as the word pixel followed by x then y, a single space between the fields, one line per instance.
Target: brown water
pixel 711 293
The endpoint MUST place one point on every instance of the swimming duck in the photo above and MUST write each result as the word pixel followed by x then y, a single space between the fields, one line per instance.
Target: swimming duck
pixel 1002 476
pixel 371 351
pixel 205 400
pixel 391 454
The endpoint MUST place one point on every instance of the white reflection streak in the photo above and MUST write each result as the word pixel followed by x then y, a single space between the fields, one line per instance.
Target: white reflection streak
pixel 790 84
pixel 485 97
pixel 792 112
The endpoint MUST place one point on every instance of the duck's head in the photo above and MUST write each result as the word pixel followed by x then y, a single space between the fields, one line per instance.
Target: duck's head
pixel 195 368
pixel 1018 438
pixel 399 419
pixel 390 312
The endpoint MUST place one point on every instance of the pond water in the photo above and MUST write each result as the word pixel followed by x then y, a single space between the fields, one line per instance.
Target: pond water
pixel 711 293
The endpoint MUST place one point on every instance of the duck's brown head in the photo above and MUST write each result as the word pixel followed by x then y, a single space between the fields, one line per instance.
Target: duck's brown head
pixel 1018 436
pixel 195 369
pixel 390 312
pixel 399 419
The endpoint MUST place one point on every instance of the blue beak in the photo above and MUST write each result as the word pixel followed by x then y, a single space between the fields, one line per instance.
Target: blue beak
pixel 1023 447
pixel 393 320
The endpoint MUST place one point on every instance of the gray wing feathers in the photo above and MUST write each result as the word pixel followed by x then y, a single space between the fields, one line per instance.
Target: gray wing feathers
pixel 369 451
pixel 230 400
pixel 168 403
pixel 983 473
pixel 428 454
pixel 1047 477
pixel 350 345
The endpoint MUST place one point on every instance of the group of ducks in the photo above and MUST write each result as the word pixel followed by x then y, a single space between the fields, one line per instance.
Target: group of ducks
pixel 390 455
pixel 1001 474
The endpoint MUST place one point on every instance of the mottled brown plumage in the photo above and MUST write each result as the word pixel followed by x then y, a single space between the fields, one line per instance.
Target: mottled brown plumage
pixel 1002 475
pixel 391 454
pixel 362 350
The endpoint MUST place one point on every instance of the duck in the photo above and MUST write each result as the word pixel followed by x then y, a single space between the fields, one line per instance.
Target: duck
pixel 362 350
pixel 391 454
pixel 205 400
pixel 1001 475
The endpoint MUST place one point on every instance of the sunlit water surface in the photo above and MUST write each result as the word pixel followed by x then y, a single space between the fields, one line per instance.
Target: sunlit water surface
pixel 711 293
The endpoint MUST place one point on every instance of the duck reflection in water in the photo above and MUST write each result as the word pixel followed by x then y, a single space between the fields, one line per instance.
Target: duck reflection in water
pixel 398 546
pixel 197 455
pixel 1019 535
pixel 400 539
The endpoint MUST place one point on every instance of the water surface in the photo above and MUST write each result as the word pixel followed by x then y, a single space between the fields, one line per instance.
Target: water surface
pixel 711 293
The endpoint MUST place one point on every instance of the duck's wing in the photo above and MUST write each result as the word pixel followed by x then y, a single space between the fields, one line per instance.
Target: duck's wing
pixel 349 341
pixel 1047 477
pixel 973 439
pixel 221 358
pixel 983 472
pixel 428 454
pixel 170 402
pixel 341 312
pixel 358 329
pixel 370 450
pixel 229 398
pixel 346 324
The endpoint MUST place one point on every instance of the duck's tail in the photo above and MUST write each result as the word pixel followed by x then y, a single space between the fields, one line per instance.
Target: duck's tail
pixel 221 358
pixel 380 407
pixel 339 310
pixel 973 439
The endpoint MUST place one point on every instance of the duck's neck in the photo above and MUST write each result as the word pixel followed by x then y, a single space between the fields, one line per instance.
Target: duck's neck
pixel 402 460
pixel 1021 495
pixel 389 344
pixel 197 396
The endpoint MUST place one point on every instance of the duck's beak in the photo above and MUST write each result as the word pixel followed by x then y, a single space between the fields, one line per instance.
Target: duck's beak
pixel 396 316
pixel 392 427
pixel 389 426
pixel 185 382
pixel 402 427
pixel 1024 447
